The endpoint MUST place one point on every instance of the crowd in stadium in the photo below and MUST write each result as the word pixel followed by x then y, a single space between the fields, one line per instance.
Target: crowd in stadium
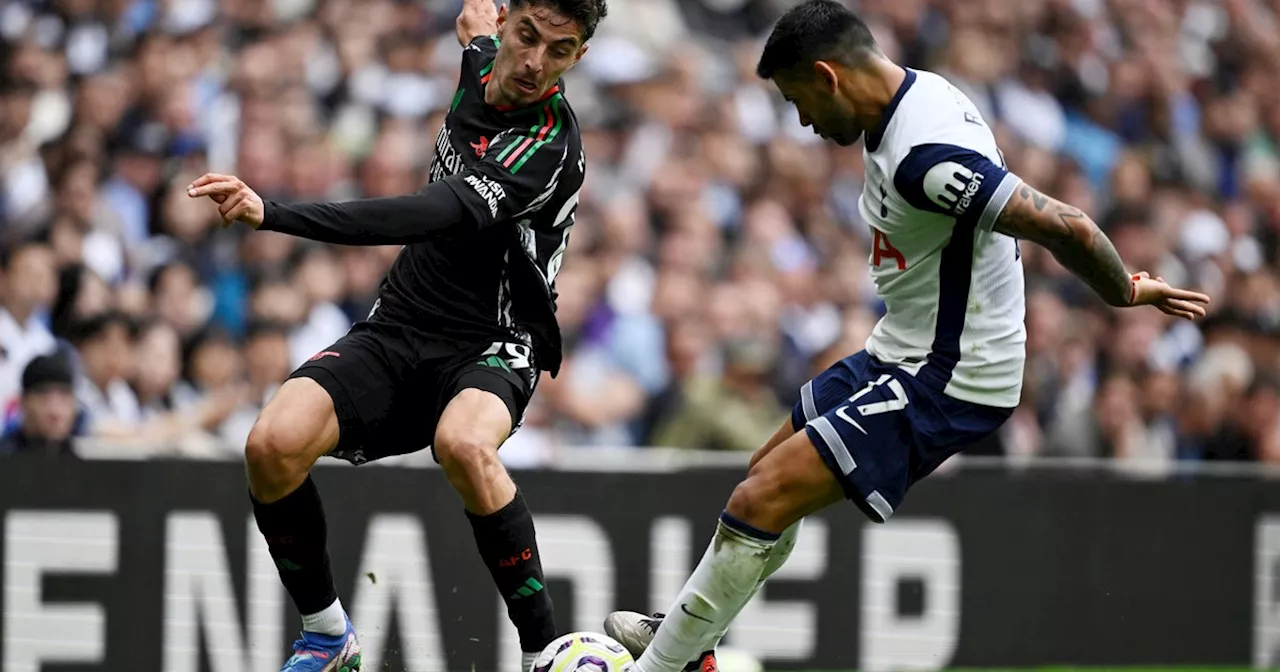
pixel 718 260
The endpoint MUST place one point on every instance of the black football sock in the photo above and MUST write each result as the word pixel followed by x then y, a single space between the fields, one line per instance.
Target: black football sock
pixel 509 547
pixel 296 533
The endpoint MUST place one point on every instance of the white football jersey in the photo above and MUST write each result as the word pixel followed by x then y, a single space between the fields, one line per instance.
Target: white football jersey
pixel 952 287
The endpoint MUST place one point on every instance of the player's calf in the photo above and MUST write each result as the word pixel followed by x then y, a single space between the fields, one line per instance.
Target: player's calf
pixel 784 486
pixel 294 430
pixel 471 429
pixel 636 631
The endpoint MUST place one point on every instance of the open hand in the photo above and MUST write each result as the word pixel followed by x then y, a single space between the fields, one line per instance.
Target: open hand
pixel 1170 300
pixel 236 201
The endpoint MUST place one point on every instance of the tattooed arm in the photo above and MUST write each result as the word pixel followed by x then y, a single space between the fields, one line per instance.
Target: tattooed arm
pixel 1079 245
pixel 1072 237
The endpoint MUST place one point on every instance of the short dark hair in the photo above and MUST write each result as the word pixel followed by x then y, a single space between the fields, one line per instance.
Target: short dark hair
pixel 269 276
pixel 20 244
pixel 93 327
pixel 259 328
pixel 816 30
pixel 586 13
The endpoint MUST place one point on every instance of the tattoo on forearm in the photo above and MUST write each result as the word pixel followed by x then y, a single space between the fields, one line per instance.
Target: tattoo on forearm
pixel 1075 241
pixel 1038 198
pixel 1092 257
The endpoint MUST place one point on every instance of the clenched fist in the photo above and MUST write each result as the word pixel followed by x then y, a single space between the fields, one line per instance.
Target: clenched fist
pixel 236 201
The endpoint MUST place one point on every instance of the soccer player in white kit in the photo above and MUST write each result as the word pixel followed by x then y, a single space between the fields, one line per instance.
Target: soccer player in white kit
pixel 943 367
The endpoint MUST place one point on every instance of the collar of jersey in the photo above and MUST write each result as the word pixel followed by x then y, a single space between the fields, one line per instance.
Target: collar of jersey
pixel 873 138
pixel 509 109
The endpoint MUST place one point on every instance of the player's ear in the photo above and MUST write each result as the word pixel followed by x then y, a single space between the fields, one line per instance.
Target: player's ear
pixel 502 17
pixel 827 75
pixel 582 51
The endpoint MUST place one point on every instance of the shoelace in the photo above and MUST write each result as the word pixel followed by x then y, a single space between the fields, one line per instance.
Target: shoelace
pixel 298 650
pixel 651 624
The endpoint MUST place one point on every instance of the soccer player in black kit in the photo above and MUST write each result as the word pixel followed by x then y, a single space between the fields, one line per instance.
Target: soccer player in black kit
pixel 464 321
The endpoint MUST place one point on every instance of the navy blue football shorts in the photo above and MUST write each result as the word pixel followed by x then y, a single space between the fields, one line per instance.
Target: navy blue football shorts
pixel 880 430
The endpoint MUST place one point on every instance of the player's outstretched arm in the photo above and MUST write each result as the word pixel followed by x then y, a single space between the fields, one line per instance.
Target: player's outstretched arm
pixel 398 220
pixel 1078 244
pixel 478 18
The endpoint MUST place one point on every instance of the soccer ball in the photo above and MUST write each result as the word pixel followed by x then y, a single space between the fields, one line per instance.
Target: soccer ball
pixel 584 652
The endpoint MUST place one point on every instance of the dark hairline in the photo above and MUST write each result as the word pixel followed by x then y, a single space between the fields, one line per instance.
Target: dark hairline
pixel 582 31
pixel 858 58
pixel 816 30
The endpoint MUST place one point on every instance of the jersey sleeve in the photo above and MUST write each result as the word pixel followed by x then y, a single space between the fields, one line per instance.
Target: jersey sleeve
pixel 955 181
pixel 478 54
pixel 520 172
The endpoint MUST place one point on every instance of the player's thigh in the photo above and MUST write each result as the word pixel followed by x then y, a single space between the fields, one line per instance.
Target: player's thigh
pixel 786 431
pixel 486 390
pixel 788 482
pixel 858 415
pixel 363 376
pixel 474 424
pixel 300 419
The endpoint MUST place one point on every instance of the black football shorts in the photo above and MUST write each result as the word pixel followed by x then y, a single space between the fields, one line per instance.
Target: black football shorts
pixel 390 383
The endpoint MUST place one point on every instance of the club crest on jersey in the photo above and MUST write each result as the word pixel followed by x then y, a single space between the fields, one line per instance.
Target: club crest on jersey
pixel 480 147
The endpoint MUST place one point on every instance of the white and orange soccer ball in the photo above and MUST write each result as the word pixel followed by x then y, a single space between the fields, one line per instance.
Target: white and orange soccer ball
pixel 584 652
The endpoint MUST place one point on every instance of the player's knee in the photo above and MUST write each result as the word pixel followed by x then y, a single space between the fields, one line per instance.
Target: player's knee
pixel 756 500
pixel 292 432
pixel 465 453
pixel 271 446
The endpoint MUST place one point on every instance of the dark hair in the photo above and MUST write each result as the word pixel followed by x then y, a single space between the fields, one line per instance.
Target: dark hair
pixel 95 326
pixel 258 328
pixel 816 30
pixel 62 315
pixel 20 244
pixel 268 276
pixel 586 13
pixel 157 274
pixel 211 335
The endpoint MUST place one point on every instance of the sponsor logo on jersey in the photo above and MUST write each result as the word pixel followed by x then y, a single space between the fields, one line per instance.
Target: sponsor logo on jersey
pixel 952 186
pixel 481 146
pixel 448 161
pixel 490 191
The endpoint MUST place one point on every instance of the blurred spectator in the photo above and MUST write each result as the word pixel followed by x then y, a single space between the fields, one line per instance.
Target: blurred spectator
pixel 733 410
pixel 317 279
pixel 108 385
pixel 81 294
pixel 709 218
pixel 48 410
pixel 105 343
pixel 28 290
pixel 268 362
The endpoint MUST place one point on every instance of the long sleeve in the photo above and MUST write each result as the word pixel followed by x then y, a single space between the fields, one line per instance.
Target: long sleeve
pixel 397 220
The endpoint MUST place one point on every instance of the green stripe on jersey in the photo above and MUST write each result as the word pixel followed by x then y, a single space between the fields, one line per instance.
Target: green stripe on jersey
pixel 485 70
pixel 554 106
pixel 521 141
pixel 457 98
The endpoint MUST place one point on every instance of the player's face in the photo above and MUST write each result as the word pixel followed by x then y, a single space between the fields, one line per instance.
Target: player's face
pixel 538 45
pixel 816 97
